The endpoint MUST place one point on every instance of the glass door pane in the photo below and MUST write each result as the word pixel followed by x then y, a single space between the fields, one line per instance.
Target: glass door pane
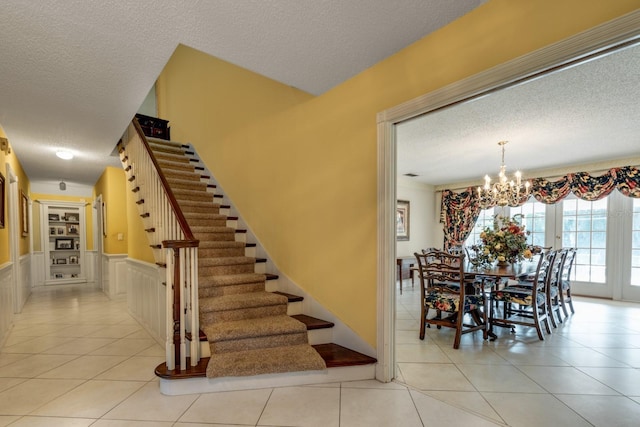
pixel 584 227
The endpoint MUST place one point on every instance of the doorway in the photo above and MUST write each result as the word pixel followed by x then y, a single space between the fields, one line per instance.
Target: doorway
pixel 570 51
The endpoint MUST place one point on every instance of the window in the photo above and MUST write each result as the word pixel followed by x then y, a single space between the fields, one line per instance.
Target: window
pixel 485 219
pixel 584 227
pixel 534 220
pixel 635 244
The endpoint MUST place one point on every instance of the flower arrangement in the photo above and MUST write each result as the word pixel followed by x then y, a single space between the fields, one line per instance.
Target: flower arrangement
pixel 505 242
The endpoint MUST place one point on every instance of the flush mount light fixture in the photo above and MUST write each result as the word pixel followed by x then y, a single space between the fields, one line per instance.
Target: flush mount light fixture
pixel 64 154
pixel 63 186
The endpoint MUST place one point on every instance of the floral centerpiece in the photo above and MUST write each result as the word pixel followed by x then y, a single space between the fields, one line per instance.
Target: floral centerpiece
pixel 505 242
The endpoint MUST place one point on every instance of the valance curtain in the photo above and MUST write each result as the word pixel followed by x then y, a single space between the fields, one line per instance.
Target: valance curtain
pixel 461 210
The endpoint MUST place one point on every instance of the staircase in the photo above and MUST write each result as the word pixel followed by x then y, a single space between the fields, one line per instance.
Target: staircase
pixel 248 331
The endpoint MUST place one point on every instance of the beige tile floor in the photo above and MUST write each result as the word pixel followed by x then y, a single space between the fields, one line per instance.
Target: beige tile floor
pixel 587 373
pixel 76 358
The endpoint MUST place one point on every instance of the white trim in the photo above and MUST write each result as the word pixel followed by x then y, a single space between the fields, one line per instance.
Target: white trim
pixel 597 39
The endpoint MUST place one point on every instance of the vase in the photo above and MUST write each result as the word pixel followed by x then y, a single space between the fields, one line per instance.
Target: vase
pixel 503 263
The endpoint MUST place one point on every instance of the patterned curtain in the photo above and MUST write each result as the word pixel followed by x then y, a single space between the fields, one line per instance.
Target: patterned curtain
pixel 549 192
pixel 628 181
pixel 592 188
pixel 460 212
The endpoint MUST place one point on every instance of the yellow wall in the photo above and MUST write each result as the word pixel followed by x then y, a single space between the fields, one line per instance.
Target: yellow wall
pixel 23 185
pixel 112 186
pixel 305 177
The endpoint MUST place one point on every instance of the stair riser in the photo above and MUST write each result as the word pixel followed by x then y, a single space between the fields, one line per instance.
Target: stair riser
pixel 294 308
pixel 218 291
pixel 260 342
pixel 320 336
pixel 226 269
pixel 166 149
pixel 224 252
pixel 205 224
pixel 172 157
pixel 167 168
pixel 244 313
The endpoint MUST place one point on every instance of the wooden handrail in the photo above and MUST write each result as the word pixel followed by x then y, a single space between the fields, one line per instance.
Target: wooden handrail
pixel 184 226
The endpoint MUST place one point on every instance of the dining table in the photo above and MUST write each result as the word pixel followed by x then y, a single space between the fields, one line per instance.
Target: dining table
pixel 494 277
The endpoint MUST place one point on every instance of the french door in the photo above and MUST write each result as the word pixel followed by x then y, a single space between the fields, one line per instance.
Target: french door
pixel 606 234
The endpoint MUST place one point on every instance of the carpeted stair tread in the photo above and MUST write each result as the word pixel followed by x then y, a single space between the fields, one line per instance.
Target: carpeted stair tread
pixel 183 175
pixel 253 328
pixel 241 301
pixel 214 226
pixel 221 244
pixel 230 279
pixel 232 260
pixel 265 361
pixel 172 157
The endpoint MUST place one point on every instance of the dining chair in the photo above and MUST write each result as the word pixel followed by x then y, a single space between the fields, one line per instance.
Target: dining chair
pixel 552 287
pixel 565 278
pixel 524 305
pixel 443 290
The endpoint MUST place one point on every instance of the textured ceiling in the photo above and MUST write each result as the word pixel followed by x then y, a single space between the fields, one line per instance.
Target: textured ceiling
pixel 583 114
pixel 74 72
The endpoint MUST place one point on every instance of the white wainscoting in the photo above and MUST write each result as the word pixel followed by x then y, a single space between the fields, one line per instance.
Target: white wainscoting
pixel 114 275
pixel 146 297
pixel 89 266
pixel 37 269
pixel 6 300
pixel 24 270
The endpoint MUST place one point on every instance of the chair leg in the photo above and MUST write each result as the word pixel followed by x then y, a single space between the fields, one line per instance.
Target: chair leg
pixel 423 320
pixel 570 300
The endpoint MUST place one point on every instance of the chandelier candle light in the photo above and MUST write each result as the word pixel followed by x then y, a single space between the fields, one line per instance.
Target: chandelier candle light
pixel 503 192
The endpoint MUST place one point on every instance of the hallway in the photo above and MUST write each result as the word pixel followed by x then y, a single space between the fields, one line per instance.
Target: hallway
pixel 77 358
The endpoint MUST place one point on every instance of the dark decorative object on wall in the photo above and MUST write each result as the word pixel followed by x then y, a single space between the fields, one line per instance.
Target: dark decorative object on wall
pixel 1 201
pixel 24 213
pixel 154 127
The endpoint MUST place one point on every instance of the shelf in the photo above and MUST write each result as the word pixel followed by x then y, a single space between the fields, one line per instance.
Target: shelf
pixel 64 241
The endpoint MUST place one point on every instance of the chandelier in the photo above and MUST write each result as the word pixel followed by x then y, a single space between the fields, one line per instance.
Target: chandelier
pixel 503 192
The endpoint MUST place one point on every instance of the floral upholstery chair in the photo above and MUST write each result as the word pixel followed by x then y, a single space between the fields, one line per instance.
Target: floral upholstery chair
pixel 565 278
pixel 443 290
pixel 524 305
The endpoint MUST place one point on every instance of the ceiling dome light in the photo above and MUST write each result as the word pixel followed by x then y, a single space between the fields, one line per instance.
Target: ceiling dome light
pixel 64 154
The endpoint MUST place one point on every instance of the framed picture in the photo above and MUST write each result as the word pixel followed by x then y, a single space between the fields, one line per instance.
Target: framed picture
pixel 59 276
pixel 73 260
pixel 71 217
pixel 72 229
pixel 54 217
pixel 402 220
pixel 24 213
pixel 61 261
pixel 1 201
pixel 61 231
pixel 53 231
pixel 64 243
pixel 104 220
